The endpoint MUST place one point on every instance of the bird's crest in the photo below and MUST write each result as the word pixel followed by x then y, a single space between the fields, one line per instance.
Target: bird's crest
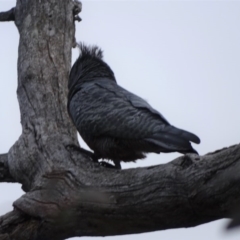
pixel 89 51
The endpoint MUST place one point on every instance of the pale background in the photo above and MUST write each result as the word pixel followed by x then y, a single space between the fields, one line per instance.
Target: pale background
pixel 183 57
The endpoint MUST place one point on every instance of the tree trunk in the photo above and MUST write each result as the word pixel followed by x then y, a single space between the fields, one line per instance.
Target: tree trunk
pixel 67 194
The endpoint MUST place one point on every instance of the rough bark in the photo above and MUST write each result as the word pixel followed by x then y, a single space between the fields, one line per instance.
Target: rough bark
pixel 67 194
pixel 90 200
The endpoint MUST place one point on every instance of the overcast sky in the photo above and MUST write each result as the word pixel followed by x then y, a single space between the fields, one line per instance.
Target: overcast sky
pixel 183 57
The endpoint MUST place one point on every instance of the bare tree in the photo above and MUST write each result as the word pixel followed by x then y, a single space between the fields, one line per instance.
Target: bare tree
pixel 67 194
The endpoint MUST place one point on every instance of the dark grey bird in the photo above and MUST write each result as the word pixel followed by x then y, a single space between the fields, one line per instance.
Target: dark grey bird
pixel 115 123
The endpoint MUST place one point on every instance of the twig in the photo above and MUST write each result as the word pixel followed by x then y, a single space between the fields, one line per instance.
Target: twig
pixel 7 16
pixel 5 175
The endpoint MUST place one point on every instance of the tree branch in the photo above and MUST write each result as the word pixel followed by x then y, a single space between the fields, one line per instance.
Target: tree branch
pixel 16 225
pixel 100 202
pixel 5 175
pixel 7 16
pixel 69 195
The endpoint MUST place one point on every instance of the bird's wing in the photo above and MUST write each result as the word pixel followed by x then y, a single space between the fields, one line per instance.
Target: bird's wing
pixel 155 124
pixel 140 103
pixel 106 109
pixel 136 101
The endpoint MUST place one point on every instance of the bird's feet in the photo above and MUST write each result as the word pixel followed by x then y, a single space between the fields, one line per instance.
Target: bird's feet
pixel 94 157
pixel 117 164
pixel 109 165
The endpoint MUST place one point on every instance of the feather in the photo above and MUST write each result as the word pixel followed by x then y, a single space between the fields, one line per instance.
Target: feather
pixel 115 123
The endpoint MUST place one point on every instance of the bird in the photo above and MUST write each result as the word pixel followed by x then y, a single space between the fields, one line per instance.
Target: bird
pixel 114 122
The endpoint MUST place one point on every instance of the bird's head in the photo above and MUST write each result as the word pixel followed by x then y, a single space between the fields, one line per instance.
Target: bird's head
pixel 89 66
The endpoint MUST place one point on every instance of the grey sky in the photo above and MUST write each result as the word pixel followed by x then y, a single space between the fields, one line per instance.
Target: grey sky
pixel 183 57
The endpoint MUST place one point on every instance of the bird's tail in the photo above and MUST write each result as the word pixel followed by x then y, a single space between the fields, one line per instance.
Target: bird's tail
pixel 172 139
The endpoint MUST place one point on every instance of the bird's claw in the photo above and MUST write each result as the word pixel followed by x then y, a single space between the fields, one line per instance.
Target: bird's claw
pixel 108 165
